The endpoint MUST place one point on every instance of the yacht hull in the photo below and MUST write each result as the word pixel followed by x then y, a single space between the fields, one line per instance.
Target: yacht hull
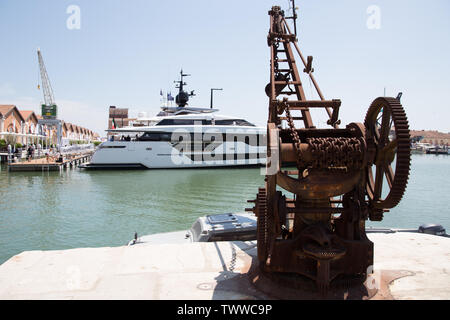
pixel 164 155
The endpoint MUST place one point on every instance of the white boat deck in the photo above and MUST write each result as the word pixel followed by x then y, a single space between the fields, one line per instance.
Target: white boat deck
pixel 207 270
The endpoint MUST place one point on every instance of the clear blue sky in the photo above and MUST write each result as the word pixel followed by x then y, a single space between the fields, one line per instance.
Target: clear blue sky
pixel 126 51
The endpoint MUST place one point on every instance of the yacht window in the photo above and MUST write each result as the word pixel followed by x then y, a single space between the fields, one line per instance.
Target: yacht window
pixel 155 136
pixel 233 122
pixel 176 122
pixel 184 122
pixel 204 122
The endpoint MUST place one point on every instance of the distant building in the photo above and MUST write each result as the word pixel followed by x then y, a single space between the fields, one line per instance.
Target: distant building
pixel 23 127
pixel 13 126
pixel 10 119
pixel 431 136
pixel 118 118
pixel 29 127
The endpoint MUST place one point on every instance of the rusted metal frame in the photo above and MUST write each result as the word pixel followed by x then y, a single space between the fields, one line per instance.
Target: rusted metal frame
pixel 385 127
pixel 295 74
pixel 319 92
pixel 272 73
pixel 271 195
pixel 287 93
pixel 315 210
pixel 272 69
pixel 282 37
pixel 287 82
pixel 272 106
pixel 381 167
pixel 316 86
pixel 293 118
pixel 389 176
pixel 308 123
pixel 388 169
pixel 352 207
pixel 291 172
pixel 293 200
pixel 272 61
pixel 313 104
pixel 271 24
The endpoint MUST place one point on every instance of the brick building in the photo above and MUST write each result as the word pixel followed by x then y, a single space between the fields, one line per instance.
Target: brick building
pixel 119 117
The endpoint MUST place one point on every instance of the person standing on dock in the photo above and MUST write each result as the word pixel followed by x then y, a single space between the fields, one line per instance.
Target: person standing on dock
pixel 9 153
pixel 29 153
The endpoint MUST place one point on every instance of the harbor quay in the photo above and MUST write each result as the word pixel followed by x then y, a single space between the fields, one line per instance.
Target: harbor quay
pixel 23 127
pixel 29 143
pixel 407 266
pixel 52 163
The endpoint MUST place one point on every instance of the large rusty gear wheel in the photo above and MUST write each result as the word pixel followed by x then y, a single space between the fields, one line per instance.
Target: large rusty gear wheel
pixel 388 139
pixel 262 235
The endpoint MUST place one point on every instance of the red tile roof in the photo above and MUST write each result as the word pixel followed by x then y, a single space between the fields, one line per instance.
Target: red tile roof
pixel 26 114
pixel 6 109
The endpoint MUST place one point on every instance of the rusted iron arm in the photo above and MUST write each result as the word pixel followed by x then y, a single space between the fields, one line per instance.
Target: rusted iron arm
pixel 332 114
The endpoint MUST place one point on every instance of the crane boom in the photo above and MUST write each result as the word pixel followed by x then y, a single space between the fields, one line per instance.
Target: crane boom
pixel 49 109
pixel 46 86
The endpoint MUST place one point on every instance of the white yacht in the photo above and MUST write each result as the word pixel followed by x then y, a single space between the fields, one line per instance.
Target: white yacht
pixel 182 137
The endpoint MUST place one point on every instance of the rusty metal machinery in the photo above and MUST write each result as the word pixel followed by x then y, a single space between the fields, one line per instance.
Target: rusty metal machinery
pixel 323 184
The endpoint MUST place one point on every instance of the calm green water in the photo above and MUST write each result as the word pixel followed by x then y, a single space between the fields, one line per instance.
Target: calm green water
pixel 74 208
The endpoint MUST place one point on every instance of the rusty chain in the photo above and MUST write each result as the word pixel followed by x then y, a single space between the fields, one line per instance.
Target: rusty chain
pixel 294 134
pixel 336 152
pixel 328 152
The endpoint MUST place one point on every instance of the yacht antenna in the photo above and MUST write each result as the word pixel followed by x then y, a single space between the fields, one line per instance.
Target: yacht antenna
pixel 212 90
pixel 294 16
pixel 182 97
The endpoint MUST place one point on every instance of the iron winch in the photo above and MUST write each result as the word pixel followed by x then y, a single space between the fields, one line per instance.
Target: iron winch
pixel 322 184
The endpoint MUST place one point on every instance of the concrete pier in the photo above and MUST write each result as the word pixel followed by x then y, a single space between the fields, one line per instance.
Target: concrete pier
pixel 407 266
pixel 51 165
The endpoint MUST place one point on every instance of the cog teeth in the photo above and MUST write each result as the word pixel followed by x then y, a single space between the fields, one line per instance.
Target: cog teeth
pixel 403 161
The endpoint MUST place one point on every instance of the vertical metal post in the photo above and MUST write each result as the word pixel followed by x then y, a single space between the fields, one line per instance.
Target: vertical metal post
pixel 294 11
pixel 59 134
pixel 212 90
pixel 9 153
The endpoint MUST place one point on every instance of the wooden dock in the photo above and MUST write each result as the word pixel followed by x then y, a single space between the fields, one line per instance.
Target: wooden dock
pixel 51 165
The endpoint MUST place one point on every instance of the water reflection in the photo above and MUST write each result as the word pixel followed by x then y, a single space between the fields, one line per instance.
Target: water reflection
pixel 73 208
